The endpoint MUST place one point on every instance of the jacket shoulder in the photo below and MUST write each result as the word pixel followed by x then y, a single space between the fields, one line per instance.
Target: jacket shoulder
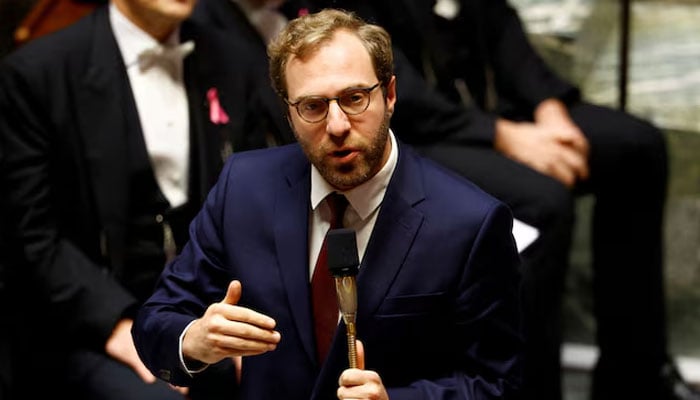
pixel 63 43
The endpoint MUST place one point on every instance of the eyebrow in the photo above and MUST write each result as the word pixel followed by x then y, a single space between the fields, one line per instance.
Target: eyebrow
pixel 358 86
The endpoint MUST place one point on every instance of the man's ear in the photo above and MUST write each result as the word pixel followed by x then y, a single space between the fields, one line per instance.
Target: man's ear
pixel 289 120
pixel 390 95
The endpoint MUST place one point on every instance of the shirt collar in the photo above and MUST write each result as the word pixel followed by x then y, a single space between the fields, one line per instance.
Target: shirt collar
pixel 364 199
pixel 131 39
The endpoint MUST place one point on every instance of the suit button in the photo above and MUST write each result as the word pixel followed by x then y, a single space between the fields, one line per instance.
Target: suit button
pixel 164 375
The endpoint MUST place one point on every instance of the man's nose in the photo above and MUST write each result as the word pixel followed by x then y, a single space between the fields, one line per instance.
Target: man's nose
pixel 337 122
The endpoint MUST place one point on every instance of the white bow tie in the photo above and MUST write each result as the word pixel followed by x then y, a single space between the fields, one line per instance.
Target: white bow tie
pixel 165 55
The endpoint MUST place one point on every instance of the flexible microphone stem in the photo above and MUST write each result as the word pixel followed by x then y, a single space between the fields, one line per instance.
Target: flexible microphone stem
pixel 347 302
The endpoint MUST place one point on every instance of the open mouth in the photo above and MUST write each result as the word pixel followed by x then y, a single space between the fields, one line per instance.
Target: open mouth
pixel 342 153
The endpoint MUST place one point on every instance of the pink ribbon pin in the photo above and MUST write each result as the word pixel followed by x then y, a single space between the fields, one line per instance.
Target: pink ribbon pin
pixel 217 115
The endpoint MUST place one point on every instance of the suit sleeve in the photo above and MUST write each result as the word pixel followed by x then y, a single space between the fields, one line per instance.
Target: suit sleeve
pixel 521 75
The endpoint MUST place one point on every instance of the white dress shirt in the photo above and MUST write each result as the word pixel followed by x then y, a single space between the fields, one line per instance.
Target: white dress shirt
pixel 161 100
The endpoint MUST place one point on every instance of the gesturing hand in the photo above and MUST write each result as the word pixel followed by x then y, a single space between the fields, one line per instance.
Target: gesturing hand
pixel 228 330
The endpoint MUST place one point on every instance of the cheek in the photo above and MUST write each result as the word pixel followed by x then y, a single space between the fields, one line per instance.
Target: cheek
pixel 306 133
pixel 368 126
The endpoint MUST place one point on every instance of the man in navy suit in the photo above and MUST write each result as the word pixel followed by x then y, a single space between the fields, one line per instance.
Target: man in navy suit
pixel 113 131
pixel 546 147
pixel 533 142
pixel 437 314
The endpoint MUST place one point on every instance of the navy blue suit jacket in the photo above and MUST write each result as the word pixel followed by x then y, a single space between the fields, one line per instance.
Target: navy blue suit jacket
pixel 437 288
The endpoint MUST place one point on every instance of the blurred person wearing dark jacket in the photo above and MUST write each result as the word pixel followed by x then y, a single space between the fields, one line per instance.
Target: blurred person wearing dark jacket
pixel 113 130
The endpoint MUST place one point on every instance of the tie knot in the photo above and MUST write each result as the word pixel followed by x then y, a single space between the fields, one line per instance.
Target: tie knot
pixel 165 54
pixel 337 203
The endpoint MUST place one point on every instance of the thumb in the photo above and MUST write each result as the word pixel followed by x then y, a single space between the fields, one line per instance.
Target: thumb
pixel 233 294
pixel 360 354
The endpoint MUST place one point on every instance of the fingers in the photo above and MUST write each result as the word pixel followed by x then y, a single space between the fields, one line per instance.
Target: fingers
pixel 360 354
pixel 209 342
pixel 233 293
pixel 239 319
pixel 229 330
pixel 576 162
pixel 361 384
pixel 565 165
pixel 243 314
pixel 120 346
pixel 143 373
pixel 245 337
pixel 563 155
pixel 238 365
pixel 572 137
pixel 180 389
pixel 569 150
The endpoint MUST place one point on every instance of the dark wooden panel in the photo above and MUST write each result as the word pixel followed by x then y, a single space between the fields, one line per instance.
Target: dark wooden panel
pixel 50 15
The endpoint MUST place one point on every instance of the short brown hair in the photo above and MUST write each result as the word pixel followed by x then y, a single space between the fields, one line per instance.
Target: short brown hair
pixel 303 35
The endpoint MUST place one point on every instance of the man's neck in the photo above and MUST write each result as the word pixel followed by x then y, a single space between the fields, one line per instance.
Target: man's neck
pixel 157 26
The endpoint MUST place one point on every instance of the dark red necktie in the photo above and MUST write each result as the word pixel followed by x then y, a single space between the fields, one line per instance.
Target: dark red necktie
pixel 323 297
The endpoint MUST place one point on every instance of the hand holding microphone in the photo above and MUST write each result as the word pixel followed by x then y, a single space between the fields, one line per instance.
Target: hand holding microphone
pixel 343 264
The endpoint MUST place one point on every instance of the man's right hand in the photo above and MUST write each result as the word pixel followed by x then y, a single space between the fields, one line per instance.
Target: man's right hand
pixel 360 384
pixel 227 330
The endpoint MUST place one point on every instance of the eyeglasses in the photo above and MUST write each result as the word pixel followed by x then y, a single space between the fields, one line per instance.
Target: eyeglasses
pixel 352 101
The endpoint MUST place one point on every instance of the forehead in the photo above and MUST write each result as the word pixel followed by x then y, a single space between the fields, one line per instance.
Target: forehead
pixel 340 63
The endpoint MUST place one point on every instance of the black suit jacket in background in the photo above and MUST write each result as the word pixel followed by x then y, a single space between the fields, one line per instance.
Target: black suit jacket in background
pixel 65 110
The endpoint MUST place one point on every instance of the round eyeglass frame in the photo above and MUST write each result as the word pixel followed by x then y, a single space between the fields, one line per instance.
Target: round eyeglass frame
pixel 367 91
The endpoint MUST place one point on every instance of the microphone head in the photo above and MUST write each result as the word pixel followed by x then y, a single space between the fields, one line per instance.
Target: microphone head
pixel 342 252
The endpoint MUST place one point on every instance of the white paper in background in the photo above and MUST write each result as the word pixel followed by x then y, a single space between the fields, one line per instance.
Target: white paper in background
pixel 524 234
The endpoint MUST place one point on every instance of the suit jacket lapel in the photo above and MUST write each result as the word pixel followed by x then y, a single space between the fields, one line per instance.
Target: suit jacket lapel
pixel 103 121
pixel 396 226
pixel 291 211
pixel 207 140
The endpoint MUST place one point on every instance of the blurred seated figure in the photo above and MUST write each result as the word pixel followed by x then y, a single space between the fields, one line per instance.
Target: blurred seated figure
pixel 112 131
pixel 525 135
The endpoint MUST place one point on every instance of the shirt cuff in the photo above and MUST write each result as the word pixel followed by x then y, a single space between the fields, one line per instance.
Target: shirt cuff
pixel 192 369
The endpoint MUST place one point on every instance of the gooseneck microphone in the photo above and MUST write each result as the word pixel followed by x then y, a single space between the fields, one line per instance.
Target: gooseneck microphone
pixel 343 264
